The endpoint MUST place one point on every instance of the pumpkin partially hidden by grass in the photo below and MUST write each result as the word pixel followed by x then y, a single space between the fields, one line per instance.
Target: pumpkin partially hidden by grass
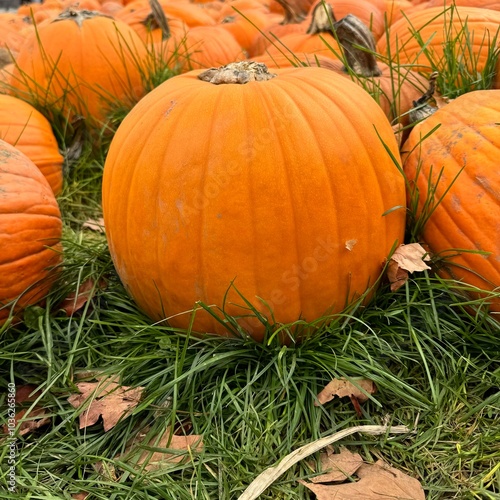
pixel 454 176
pixel 30 232
pixel 81 64
pixel 280 184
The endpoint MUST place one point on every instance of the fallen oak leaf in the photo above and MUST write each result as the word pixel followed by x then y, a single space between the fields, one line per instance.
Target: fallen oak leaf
pixel 74 301
pixel 376 481
pixel 107 399
pixel 266 478
pixel 94 225
pixel 339 466
pixel 174 449
pixel 406 259
pixel 341 387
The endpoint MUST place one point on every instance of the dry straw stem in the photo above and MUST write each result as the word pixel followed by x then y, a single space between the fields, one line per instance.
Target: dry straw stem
pixel 266 478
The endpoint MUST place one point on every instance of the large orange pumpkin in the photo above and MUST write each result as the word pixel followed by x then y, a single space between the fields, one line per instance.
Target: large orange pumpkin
pixel 30 232
pixel 459 162
pixel 29 131
pixel 81 63
pixel 279 183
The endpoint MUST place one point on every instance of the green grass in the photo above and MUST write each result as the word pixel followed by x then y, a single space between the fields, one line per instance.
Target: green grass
pixel 433 354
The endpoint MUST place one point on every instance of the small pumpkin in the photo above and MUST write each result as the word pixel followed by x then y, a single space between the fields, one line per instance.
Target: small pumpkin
pixel 278 182
pixel 454 185
pixel 30 232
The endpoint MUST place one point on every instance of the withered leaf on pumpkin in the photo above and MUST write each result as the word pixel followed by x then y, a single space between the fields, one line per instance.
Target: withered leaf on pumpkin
pixel 337 466
pixel 376 481
pixel 405 259
pixel 341 387
pixel 178 448
pixel 105 398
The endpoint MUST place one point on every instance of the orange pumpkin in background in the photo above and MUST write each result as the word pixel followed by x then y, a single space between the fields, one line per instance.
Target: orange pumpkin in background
pixel 470 29
pixel 29 131
pixel 81 64
pixel 458 164
pixel 30 233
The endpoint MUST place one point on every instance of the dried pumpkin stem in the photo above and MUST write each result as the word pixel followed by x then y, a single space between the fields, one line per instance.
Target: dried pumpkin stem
pixel 322 19
pixel 358 45
pixel 421 107
pixel 293 15
pixel 160 19
pixel 79 16
pixel 238 72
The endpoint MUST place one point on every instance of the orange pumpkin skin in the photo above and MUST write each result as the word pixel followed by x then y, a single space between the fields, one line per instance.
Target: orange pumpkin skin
pixel 278 186
pixel 200 47
pixel 468 217
pixel 433 25
pixel 30 232
pixel 80 64
pixel 29 131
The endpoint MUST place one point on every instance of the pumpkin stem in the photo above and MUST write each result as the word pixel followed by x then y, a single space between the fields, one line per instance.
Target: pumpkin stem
pixel 358 46
pixel 160 19
pixel 421 107
pixel 79 16
pixel 293 15
pixel 239 72
pixel 322 19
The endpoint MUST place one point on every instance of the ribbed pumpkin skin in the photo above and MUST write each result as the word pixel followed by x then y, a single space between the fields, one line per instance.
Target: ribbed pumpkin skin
pixel 30 231
pixel 433 25
pixel 77 66
pixel 469 215
pixel 278 185
pixel 29 131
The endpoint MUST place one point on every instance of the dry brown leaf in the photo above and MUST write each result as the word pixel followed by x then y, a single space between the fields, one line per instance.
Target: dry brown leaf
pixel 266 478
pixel 341 387
pixel 74 301
pixel 377 481
pixel 411 257
pixel 397 277
pixel 180 448
pixel 28 392
pixel 106 470
pixel 94 225
pixel 107 399
pixel 36 418
pixel 80 496
pixel 340 466
pixel 405 259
